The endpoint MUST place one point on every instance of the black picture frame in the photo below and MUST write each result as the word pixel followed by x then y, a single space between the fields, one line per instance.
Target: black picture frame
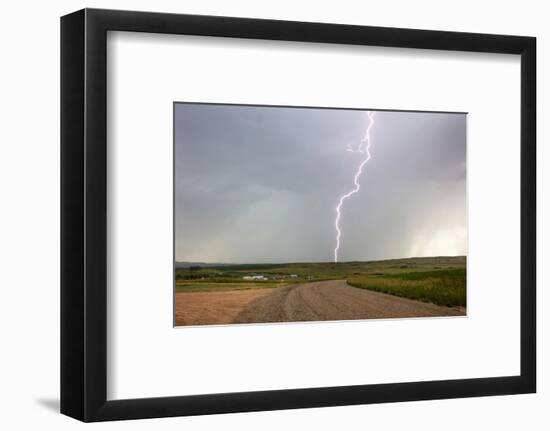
pixel 84 214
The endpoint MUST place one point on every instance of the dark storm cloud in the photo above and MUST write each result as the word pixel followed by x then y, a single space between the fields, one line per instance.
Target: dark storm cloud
pixel 260 184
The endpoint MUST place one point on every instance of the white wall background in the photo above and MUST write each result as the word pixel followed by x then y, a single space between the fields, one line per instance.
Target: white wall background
pixel 29 225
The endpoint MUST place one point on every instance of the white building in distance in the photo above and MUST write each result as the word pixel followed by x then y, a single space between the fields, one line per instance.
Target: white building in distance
pixel 255 277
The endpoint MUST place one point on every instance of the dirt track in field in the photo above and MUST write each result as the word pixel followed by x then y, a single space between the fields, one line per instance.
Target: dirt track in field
pixel 323 300
pixel 214 308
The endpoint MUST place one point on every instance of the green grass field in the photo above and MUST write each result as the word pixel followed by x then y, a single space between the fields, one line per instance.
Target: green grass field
pixel 441 287
pixel 440 280
pixel 206 286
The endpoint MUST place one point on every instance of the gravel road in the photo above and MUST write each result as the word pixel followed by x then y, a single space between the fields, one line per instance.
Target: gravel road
pixel 334 300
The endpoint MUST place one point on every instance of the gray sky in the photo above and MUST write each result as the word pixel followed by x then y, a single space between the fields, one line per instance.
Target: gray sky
pixel 261 184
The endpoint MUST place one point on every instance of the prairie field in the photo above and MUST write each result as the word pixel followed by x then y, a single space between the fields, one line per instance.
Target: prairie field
pixel 437 280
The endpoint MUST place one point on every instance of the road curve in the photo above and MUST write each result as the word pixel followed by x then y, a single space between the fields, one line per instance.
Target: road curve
pixel 334 300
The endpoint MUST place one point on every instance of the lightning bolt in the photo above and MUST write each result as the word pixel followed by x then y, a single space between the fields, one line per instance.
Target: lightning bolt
pixel 364 147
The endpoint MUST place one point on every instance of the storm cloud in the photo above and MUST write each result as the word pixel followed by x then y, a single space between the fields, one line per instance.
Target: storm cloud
pixel 260 184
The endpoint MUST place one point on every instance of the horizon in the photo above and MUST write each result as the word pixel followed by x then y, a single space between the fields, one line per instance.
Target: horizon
pixel 331 262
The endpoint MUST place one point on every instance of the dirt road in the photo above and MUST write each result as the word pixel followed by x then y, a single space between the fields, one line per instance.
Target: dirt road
pixel 334 300
pixel 324 300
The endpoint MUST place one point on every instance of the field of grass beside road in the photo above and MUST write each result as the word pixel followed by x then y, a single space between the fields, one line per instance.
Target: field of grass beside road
pixel 441 287
pixel 194 286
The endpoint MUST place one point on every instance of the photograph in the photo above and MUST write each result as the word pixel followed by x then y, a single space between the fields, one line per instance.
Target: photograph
pixel 299 214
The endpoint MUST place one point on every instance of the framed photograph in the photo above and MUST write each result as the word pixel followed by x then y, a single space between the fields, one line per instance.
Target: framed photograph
pixel 262 215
